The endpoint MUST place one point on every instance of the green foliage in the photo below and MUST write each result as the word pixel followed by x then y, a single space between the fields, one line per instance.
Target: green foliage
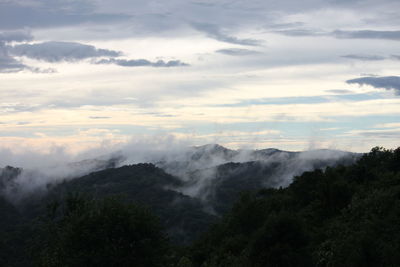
pixel 342 216
pixel 281 241
pixel 184 262
pixel 183 217
pixel 339 216
pixel 105 232
pixel 14 236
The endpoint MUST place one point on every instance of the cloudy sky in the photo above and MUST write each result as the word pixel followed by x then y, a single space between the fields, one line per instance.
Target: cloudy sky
pixel 295 75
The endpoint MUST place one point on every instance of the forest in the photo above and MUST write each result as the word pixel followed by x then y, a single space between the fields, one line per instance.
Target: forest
pixel 343 215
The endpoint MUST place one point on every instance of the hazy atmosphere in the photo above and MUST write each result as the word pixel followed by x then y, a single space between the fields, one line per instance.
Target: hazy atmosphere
pixel 199 133
pixel 94 75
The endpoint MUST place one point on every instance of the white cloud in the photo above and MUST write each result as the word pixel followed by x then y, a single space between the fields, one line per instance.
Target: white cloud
pixel 290 51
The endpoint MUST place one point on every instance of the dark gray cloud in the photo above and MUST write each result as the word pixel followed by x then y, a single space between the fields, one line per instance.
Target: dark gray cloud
pixel 47 51
pixel 367 34
pixel 66 51
pixel 61 51
pixel 220 19
pixel 46 13
pixel 396 57
pixel 142 63
pixel 301 32
pixel 365 57
pixel 340 34
pixel 8 63
pixel 237 52
pixel 386 82
pixel 284 26
pixel 15 36
pixel 213 31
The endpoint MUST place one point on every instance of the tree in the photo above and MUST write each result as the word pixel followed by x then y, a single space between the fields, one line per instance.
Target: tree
pixel 108 232
pixel 282 241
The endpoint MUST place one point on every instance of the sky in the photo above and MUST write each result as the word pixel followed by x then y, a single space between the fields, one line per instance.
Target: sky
pixel 77 75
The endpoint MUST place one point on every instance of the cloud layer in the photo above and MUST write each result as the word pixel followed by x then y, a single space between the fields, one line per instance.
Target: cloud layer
pixel 237 52
pixel 57 51
pixel 83 73
pixel 142 63
pixel 364 57
pixel 388 82
pixel 213 31
pixel 7 61
pixel 60 51
pixel 368 34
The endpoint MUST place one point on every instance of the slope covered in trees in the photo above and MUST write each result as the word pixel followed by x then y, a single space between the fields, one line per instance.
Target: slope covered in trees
pixel 106 232
pixel 338 216
pixel 183 217
pixel 344 216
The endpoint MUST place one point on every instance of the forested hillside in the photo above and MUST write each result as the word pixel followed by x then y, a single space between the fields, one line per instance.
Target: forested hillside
pixel 343 216
pixel 346 215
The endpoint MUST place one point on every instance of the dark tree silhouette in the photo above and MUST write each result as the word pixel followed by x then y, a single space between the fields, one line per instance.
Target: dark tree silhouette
pixel 107 232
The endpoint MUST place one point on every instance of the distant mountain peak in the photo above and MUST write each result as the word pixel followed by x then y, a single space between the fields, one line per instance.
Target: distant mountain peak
pixel 269 150
pixel 211 147
pixel 212 150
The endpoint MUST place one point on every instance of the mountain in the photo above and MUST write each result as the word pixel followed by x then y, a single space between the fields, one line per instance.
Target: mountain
pixel 97 164
pixel 213 155
pixel 343 216
pixel 183 217
pixel 297 202
pixel 216 175
pixel 187 191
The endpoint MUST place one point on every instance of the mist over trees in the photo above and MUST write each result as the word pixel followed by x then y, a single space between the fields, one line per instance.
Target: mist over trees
pixel 344 215
pixel 201 169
